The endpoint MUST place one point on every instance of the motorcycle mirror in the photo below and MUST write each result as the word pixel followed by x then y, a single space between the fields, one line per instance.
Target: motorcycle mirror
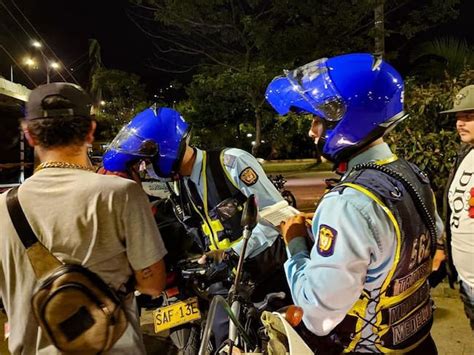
pixel 250 213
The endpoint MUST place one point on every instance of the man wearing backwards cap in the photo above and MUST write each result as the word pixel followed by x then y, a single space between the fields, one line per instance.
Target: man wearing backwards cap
pixel 101 222
pixel 459 204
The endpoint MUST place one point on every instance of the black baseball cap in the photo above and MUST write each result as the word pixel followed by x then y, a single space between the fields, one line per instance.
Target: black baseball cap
pixel 77 103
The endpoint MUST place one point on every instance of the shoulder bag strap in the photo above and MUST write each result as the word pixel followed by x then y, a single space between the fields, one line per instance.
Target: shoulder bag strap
pixel 42 261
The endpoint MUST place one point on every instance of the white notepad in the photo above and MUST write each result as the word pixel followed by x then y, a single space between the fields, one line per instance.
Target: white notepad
pixel 277 213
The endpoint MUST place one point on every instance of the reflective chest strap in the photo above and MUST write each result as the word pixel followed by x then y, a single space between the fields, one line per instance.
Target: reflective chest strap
pixel 211 227
pixel 224 186
pixel 197 201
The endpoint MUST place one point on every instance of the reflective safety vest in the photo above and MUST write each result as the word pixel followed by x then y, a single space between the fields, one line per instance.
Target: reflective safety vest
pixel 399 314
pixel 218 213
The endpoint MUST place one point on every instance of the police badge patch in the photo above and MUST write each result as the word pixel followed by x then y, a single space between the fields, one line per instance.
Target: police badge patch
pixel 326 240
pixel 248 176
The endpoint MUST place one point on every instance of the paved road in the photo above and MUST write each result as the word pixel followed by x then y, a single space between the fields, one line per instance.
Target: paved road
pixel 308 187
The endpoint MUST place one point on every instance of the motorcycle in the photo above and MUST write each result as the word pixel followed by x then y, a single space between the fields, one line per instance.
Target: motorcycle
pixel 185 309
pixel 279 182
pixel 246 330
pixel 186 302
pixel 182 308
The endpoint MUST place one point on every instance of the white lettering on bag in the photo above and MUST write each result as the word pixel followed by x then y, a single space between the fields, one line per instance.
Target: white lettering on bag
pixel 409 327
pixel 402 309
pixel 403 284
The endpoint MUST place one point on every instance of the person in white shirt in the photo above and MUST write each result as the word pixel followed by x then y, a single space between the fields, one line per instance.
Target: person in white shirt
pixel 458 248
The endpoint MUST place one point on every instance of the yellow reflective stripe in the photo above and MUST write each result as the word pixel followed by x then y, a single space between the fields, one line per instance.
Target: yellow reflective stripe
pixel 358 310
pixel 387 161
pixel 213 237
pixel 403 351
pixel 211 227
pixel 206 230
pixel 397 251
pixel 204 225
pixel 226 244
pixel 215 226
pixel 235 242
pixel 383 329
pixel 409 314
pixel 393 300
pixel 205 218
pixel 229 177
pixel 434 200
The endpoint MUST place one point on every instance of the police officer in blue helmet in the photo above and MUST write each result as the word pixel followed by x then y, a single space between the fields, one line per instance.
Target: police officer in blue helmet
pixel 363 284
pixel 209 190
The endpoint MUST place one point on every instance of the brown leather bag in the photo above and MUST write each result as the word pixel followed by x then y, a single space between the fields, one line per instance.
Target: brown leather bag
pixel 74 307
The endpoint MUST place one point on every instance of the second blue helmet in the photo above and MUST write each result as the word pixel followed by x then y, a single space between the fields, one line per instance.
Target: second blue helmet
pixel 156 135
pixel 358 97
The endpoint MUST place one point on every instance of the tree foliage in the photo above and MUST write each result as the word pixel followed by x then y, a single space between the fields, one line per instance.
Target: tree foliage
pixel 233 34
pixel 447 53
pixel 236 47
pixel 428 138
pixel 228 101
pixel 287 137
pixel 123 97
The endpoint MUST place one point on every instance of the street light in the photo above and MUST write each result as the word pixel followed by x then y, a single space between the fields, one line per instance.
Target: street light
pixel 48 64
pixel 52 65
pixel 30 62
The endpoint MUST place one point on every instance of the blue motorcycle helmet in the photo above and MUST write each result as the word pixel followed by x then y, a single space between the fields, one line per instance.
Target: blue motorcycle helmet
pixel 158 136
pixel 357 96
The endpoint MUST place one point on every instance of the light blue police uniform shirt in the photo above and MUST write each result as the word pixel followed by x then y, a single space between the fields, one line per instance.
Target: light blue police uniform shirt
pixel 326 287
pixel 235 161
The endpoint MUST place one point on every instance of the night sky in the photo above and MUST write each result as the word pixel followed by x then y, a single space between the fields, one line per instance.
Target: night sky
pixel 67 25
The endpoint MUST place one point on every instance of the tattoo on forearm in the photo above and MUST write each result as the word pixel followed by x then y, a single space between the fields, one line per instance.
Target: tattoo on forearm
pixel 147 273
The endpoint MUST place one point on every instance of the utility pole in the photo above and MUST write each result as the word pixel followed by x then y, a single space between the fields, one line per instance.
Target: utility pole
pixel 47 69
pixel 379 26
pixel 47 62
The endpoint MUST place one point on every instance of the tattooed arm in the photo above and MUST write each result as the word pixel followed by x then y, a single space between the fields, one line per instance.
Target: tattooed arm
pixel 151 280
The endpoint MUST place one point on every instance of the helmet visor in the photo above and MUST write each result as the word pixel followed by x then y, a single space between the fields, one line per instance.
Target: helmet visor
pixel 313 83
pixel 129 142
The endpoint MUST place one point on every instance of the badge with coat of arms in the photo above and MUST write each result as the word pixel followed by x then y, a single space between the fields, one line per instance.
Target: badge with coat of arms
pixel 326 240
pixel 248 176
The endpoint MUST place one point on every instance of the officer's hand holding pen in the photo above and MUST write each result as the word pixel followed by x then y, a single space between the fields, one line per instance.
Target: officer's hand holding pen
pixel 294 227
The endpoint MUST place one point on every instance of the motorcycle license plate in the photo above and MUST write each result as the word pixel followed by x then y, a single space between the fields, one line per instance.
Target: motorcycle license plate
pixel 176 314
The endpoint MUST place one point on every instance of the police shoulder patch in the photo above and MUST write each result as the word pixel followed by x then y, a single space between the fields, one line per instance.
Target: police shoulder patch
pixel 326 240
pixel 248 176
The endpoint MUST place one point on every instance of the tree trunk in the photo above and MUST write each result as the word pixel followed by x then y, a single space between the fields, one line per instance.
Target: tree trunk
pixel 379 50
pixel 258 132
